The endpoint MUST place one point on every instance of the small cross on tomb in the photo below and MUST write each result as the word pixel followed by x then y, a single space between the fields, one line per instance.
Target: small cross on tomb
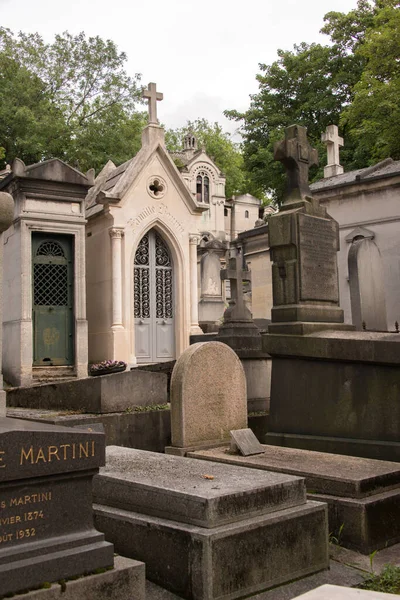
pixel 237 276
pixel 153 96
pixel 296 154
pixel 333 142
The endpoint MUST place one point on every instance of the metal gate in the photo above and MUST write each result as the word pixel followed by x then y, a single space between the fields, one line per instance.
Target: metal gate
pixel 153 300
pixel 53 340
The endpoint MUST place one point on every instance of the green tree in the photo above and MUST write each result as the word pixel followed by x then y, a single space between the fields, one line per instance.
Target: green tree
pixel 374 115
pixel 220 148
pixel 310 85
pixel 77 100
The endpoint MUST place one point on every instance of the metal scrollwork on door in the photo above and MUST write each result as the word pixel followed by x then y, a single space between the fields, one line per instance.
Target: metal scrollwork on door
pixel 163 281
pixel 142 252
pixel 161 266
pixel 162 254
pixel 141 281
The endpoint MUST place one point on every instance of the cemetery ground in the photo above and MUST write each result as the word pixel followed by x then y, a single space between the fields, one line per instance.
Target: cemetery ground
pixel 346 567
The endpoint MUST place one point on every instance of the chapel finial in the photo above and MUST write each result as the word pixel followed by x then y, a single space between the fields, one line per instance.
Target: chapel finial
pixel 153 96
pixel 334 142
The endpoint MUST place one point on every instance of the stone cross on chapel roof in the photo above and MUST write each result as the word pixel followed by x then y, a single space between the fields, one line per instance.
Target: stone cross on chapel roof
pixel 152 95
pixel 333 141
pixel 296 154
pixel 236 275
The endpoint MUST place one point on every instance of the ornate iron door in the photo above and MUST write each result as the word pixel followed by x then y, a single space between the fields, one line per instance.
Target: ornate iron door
pixel 153 300
pixel 53 342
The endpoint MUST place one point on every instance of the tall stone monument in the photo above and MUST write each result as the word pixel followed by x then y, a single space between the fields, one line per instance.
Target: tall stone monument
pixel 332 389
pixel 304 241
pixel 6 218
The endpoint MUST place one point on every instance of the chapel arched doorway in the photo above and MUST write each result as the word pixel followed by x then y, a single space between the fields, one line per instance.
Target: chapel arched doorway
pixel 154 308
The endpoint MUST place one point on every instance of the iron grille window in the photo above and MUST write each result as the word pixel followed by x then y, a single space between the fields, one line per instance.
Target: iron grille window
pixel 50 285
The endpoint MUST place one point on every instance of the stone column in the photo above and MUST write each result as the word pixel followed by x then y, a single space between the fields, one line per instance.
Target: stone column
pixel 116 266
pixel 194 301
pixel 6 218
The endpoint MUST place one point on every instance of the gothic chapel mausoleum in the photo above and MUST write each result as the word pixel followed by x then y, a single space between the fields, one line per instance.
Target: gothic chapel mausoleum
pixel 145 220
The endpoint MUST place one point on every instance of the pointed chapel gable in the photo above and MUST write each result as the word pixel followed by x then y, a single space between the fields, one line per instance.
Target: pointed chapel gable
pixel 112 184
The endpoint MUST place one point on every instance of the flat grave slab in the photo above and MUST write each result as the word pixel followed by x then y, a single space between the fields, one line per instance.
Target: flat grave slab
pixel 190 491
pixel 338 475
pixel 363 495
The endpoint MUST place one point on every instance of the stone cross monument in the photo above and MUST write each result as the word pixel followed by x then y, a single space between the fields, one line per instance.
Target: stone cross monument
pixel 153 96
pixel 238 329
pixel 296 154
pixel 333 142
pixel 304 241
pixel 6 218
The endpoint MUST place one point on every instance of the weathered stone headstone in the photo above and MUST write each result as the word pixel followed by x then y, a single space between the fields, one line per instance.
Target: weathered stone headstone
pixel 208 397
pixel 46 524
pixel 6 217
pixel 304 241
pixel 367 287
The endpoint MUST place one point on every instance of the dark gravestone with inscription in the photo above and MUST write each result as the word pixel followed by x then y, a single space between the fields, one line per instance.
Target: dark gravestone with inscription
pixel 46 525
pixel 304 242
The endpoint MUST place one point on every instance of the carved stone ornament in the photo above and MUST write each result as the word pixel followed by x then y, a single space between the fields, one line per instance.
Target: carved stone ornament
pixel 156 187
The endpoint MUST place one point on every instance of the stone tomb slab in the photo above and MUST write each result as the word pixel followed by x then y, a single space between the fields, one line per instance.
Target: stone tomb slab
pixel 253 533
pixel 190 491
pixel 362 494
pixel 46 520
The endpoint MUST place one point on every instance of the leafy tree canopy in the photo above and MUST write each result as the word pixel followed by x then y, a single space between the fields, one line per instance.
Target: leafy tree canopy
pixel 316 85
pixel 70 99
pixel 374 115
pixel 219 147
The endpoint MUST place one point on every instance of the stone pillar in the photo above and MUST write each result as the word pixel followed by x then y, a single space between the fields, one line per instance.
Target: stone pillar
pixel 6 218
pixel 194 306
pixel 116 262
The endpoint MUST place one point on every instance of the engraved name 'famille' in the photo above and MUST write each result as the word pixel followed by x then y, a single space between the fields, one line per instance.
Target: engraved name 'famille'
pixel 37 455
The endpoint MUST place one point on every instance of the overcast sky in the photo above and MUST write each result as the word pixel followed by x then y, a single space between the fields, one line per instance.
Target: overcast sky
pixel 203 55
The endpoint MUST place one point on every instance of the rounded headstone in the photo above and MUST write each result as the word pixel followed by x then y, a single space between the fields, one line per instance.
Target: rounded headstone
pixel 208 395
pixel 6 211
